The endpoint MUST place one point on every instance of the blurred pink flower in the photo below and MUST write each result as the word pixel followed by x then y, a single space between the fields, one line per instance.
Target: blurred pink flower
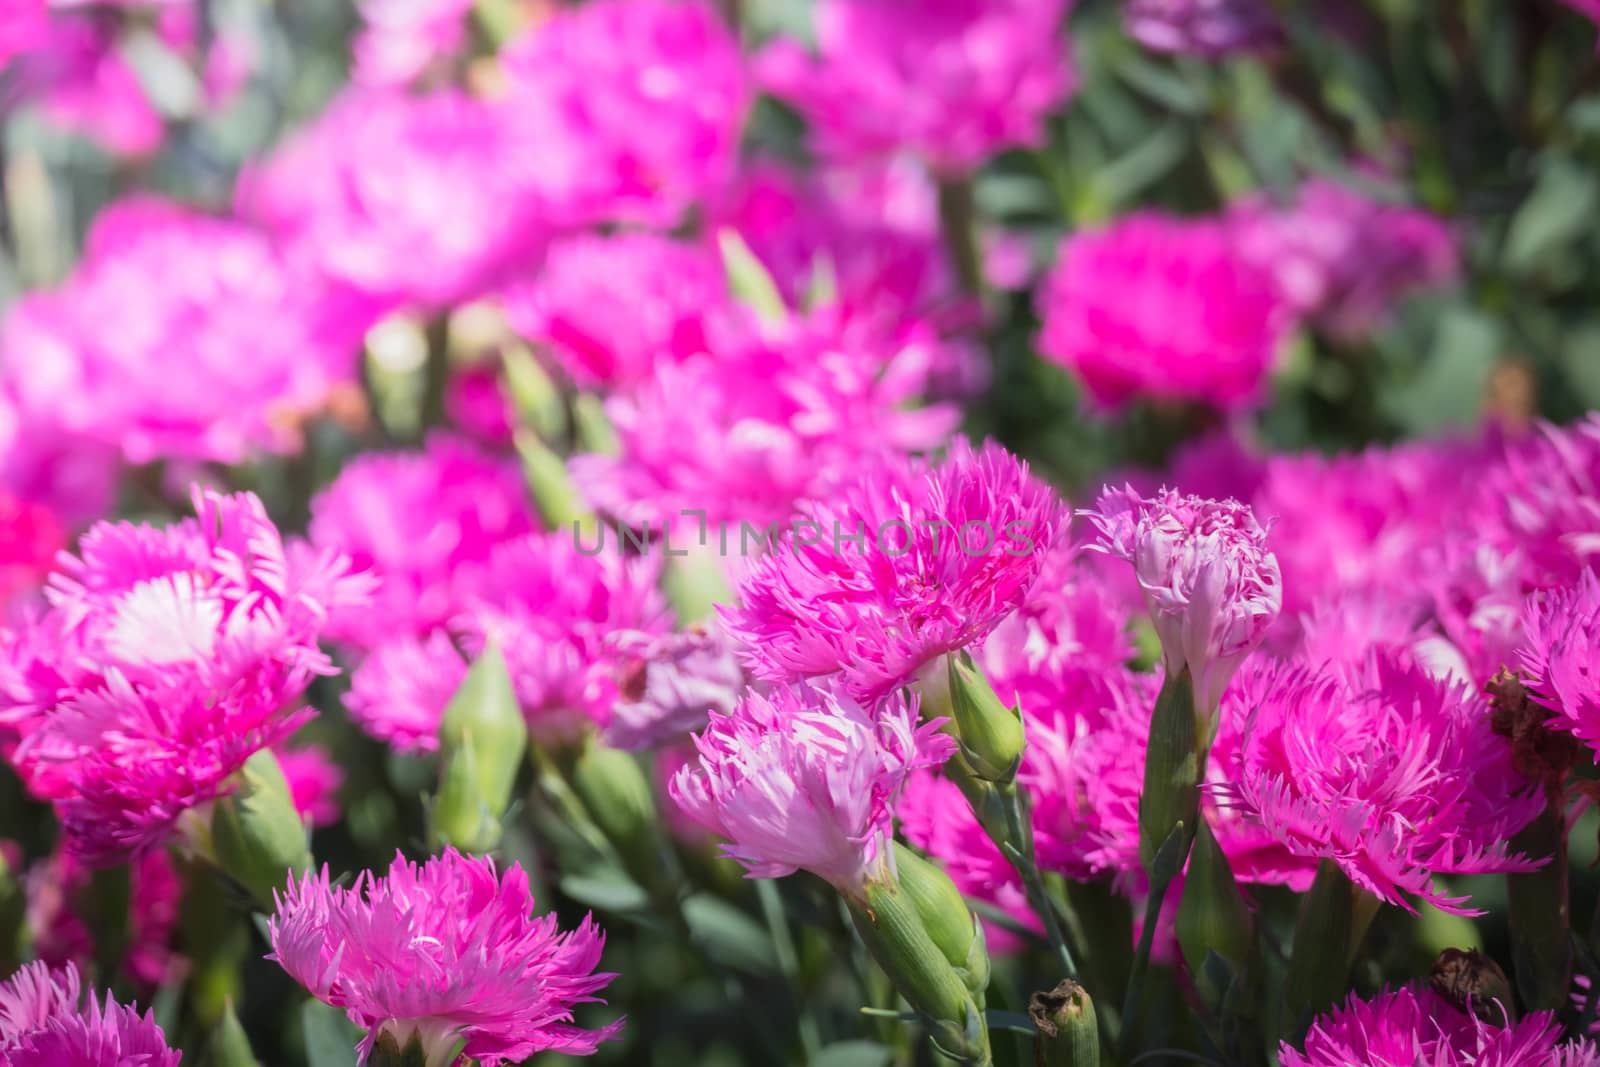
pixel 314 780
pixel 25 27
pixel 667 684
pixel 553 607
pixel 1543 500
pixel 1165 309
pixel 478 405
pixel 167 658
pixel 401 39
pixel 56 891
pixel 43 1025
pixel 649 96
pixel 1396 778
pixel 161 286
pixel 415 519
pixel 806 778
pixel 1561 656
pixel 400 691
pixel 30 537
pixel 952 82
pixel 1207 28
pixel 444 951
pixel 1412 1026
pixel 909 562
pixel 1212 587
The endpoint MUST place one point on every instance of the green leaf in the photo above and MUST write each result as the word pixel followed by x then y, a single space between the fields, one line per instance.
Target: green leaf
pixel 229 1047
pixel 607 891
pixel 729 935
pixel 1449 390
pixel 330 1038
pixel 748 279
pixel 1557 212
pixel 853 1054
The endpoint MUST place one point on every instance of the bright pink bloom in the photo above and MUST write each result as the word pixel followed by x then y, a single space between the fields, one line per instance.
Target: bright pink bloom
pixel 162 286
pixel 1211 586
pixel 415 519
pixel 443 951
pixel 56 909
pixel 401 689
pixel 314 780
pixel 477 404
pixel 30 537
pixel 1163 309
pixel 1412 1026
pixel 43 1025
pixel 593 79
pixel 907 563
pixel 952 82
pixel 1397 778
pixel 805 778
pixel 25 27
pixel 41 460
pixel 402 39
pixel 1543 500
pixel 552 606
pixel 609 309
pixel 168 657
pixel 668 684
pixel 1208 28
pixel 1561 656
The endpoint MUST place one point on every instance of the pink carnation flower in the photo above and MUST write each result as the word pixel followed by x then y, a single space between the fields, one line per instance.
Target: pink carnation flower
pixel 415 519
pixel 1543 500
pixel 1208 28
pixel 1164 309
pixel 667 685
pixel 648 96
pixel 552 606
pixel 807 779
pixel 1211 586
pixel 952 82
pixel 30 537
pixel 1411 1026
pixel 1397 779
pixel 314 780
pixel 401 40
pixel 399 693
pixel 908 563
pixel 43 1025
pixel 443 951
pixel 161 286
pixel 1561 656
pixel 57 906
pixel 168 657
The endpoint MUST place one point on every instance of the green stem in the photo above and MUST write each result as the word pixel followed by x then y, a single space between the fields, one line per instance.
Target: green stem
pixel 789 963
pixel 1334 918
pixel 1541 946
pixel 958 219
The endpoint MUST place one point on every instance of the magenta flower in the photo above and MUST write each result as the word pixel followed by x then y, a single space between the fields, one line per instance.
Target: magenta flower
pixel 24 30
pixel 552 606
pixel 1412 1026
pixel 669 684
pixel 415 519
pixel 160 286
pixel 30 537
pixel 952 82
pixel 43 1025
pixel 1208 28
pixel 1561 656
pixel 399 693
pixel 443 951
pixel 57 905
pixel 402 39
pixel 1396 779
pixel 907 563
pixel 314 780
pixel 590 78
pixel 168 657
pixel 1211 586
pixel 674 294
pixel 1543 500
pixel 806 778
pixel 1162 309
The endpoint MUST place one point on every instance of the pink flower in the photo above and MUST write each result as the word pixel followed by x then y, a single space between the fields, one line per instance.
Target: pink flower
pixel 168 657
pixel 608 309
pixel 415 519
pixel 806 778
pixel 41 460
pixel 477 403
pixel 30 537
pixel 1341 257
pixel 1209 28
pixel 1543 499
pixel 24 29
pixel 1396 779
pixel 1163 309
pixel 42 1025
pixel 76 70
pixel 314 780
pixel 648 96
pixel 1561 656
pixel 401 39
pixel 161 286
pixel 907 563
pixel 1412 1026
pixel 443 951
pixel 401 689
pixel 552 606
pixel 668 684
pixel 952 82
pixel 1211 586
pixel 57 904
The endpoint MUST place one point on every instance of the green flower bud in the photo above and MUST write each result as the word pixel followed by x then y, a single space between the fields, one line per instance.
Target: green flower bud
pixel 535 396
pixel 617 795
pixel 482 738
pixel 1173 765
pixel 990 733
pixel 558 499
pixel 1068 1031
pixel 257 836
pixel 950 923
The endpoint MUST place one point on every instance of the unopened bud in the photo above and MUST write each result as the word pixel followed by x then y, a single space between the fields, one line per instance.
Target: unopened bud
pixel 557 498
pixel 990 733
pixel 535 397
pixel 1068 1030
pixel 619 798
pixel 482 738
pixel 950 923
pixel 1474 983
pixel 257 836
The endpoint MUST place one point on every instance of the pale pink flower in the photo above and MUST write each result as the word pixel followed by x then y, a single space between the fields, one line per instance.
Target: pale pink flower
pixel 43 1025
pixel 1164 309
pixel 668 684
pixel 401 40
pixel 415 519
pixel 446 950
pixel 77 73
pixel 907 563
pixel 167 658
pixel 1211 586
pixel 1397 777
pixel 41 460
pixel 314 780
pixel 1208 28
pixel 1561 656
pixel 1411 1026
pixel 401 689
pixel 806 778
pixel 952 82
pixel 57 904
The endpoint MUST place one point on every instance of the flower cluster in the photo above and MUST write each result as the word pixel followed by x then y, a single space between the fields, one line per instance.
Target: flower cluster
pixel 42 1024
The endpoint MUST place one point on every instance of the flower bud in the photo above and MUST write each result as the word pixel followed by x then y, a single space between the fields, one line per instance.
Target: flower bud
pixel 950 923
pixel 592 428
pixel 419 1049
pixel 620 800
pixel 1170 801
pixel 1068 1031
pixel 1474 983
pixel 558 499
pixel 989 732
pixel 482 738
pixel 257 836
pixel 535 395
